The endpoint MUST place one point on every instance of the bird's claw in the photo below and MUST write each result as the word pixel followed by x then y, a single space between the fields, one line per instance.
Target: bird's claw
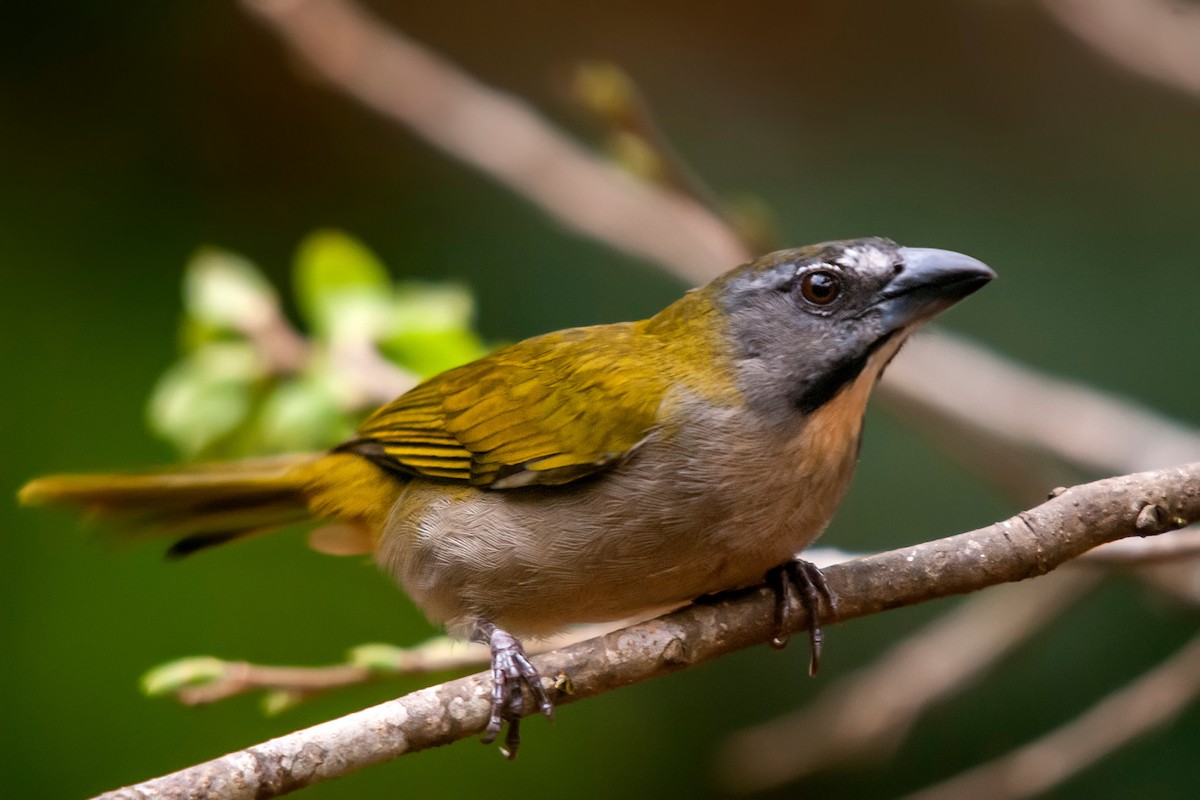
pixel 803 581
pixel 510 671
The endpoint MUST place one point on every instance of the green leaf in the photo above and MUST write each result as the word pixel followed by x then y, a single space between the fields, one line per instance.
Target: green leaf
pixel 220 401
pixel 205 396
pixel 431 328
pixel 224 290
pixel 378 657
pixel 425 306
pixel 428 353
pixel 342 288
pixel 175 675
pixel 301 415
pixel 277 701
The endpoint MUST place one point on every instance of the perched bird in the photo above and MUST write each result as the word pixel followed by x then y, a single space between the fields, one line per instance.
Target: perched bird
pixel 592 473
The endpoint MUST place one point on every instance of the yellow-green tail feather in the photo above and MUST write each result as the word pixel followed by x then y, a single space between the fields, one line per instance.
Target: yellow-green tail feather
pixel 198 505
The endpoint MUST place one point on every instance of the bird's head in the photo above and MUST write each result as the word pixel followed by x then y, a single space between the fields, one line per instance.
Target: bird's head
pixel 805 325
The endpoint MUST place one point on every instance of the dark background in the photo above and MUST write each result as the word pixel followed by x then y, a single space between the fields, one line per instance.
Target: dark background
pixel 132 133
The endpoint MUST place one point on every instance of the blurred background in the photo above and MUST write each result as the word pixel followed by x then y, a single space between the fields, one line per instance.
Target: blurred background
pixel 132 134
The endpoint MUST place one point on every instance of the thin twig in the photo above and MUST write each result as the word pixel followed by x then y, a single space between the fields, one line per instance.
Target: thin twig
pixel 282 348
pixel 1150 701
pixel 616 102
pixel 366 378
pixel 1031 543
pixel 366 663
pixel 241 676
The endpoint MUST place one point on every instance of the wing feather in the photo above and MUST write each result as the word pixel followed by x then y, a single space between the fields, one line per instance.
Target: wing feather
pixel 548 410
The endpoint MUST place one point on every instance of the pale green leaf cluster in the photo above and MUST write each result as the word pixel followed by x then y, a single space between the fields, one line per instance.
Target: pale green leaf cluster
pixel 247 383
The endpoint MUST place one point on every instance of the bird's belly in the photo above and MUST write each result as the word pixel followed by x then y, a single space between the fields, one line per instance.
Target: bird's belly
pixel 665 527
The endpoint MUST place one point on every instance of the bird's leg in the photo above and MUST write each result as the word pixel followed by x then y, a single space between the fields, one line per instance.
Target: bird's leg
pixel 804 580
pixel 510 669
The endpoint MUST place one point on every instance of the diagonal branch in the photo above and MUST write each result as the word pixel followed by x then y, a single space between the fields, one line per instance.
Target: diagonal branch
pixel 501 136
pixel 961 645
pixel 985 396
pixel 393 75
pixel 504 138
pixel 1156 38
pixel 1152 700
pixel 1031 543
pixel 868 714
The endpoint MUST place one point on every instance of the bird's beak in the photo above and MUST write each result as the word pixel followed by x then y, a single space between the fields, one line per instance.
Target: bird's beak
pixel 930 282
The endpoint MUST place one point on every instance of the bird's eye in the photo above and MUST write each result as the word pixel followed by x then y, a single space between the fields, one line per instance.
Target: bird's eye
pixel 820 287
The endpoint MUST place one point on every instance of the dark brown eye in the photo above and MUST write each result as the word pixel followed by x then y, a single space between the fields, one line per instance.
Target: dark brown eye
pixel 820 288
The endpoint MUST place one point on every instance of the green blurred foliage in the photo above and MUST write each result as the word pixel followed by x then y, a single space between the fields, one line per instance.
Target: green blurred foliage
pixel 223 398
pixel 165 679
pixel 129 133
pixel 342 288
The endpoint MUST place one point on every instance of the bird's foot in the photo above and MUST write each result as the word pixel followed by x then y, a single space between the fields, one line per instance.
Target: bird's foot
pixel 799 581
pixel 510 670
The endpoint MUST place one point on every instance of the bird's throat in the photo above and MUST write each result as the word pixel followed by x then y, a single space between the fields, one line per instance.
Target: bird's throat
pixel 847 372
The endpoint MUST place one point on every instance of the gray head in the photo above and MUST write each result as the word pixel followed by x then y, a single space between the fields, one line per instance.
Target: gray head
pixel 806 324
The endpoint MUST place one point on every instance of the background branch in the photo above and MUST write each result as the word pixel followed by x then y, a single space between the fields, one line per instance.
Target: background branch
pixel 867 714
pixel 500 136
pixel 1159 39
pixel 235 139
pixel 983 395
pixel 1031 543
pixel 1022 430
pixel 949 380
pixel 1150 701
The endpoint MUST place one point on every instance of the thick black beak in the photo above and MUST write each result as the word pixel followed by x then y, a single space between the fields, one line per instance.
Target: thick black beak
pixel 929 282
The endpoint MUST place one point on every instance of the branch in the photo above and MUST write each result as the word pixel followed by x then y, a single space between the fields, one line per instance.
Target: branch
pixel 868 714
pixel 198 680
pixel 1031 543
pixel 1148 702
pixel 1157 38
pixel 500 136
pixel 1174 548
pixel 393 75
pixel 990 414
pixel 972 389
pixel 960 644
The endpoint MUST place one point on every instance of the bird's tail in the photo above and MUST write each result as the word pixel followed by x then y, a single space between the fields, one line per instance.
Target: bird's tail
pixel 199 506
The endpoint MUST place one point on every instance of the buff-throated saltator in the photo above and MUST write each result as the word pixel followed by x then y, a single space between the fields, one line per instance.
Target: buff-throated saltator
pixel 593 473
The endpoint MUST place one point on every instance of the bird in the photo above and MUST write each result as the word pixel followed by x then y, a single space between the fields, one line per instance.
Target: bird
pixel 594 473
